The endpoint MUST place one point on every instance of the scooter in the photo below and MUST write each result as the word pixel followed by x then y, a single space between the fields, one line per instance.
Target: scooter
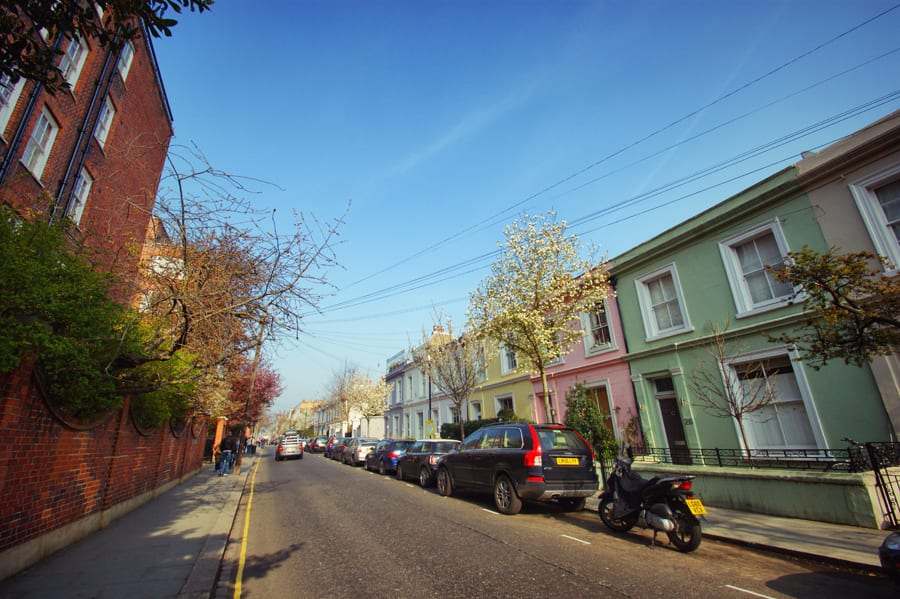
pixel 663 504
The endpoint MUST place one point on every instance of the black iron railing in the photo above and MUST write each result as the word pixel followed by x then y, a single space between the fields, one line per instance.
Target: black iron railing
pixel 854 458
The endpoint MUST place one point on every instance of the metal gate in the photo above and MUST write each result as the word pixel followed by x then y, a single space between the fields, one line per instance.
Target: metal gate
pixel 885 459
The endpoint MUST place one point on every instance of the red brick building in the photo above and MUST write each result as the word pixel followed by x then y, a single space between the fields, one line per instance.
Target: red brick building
pixel 93 154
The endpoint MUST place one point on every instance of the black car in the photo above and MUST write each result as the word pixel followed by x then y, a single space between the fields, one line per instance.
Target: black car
pixel 421 459
pixel 516 462
pixel 386 453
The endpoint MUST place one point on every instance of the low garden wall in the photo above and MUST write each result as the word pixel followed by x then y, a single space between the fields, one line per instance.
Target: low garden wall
pixel 837 497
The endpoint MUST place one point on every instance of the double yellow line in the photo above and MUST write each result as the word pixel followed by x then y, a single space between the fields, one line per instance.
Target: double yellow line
pixel 242 560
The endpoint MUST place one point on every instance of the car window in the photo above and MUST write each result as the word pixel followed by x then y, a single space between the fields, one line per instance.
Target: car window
pixel 416 447
pixel 473 440
pixel 512 439
pixel 445 447
pixel 493 439
pixel 561 439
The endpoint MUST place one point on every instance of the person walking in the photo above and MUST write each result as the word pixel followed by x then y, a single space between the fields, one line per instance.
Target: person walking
pixel 229 448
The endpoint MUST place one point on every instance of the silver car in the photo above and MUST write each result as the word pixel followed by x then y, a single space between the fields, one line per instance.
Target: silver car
pixel 289 448
pixel 357 449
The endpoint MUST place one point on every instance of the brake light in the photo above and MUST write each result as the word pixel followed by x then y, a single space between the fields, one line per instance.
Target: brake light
pixel 686 485
pixel 393 455
pixel 534 457
pixel 432 459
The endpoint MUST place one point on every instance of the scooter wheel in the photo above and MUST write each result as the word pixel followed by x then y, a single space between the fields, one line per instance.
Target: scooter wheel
pixel 686 536
pixel 623 524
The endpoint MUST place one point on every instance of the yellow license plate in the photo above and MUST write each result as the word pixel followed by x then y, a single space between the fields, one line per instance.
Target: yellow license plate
pixel 566 461
pixel 696 507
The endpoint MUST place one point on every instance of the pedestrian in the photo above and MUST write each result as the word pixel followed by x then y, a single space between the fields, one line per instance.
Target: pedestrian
pixel 229 448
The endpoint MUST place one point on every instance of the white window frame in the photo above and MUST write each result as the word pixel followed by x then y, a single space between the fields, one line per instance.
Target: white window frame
pixel 80 194
pixel 8 100
pixel 498 405
pixel 104 121
pixel 125 59
pixel 40 144
pixel 70 66
pixel 476 409
pixel 802 385
pixel 863 191
pixel 740 291
pixel 591 348
pixel 505 367
pixel 651 329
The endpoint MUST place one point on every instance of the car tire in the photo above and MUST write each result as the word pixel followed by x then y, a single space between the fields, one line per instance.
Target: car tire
pixel 399 472
pixel 444 482
pixel 381 470
pixel 505 497
pixel 424 477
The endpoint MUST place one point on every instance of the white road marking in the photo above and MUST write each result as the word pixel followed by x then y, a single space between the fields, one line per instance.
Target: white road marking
pixel 728 586
pixel 576 539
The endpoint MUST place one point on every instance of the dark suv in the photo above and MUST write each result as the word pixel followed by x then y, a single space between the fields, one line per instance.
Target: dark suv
pixel 543 462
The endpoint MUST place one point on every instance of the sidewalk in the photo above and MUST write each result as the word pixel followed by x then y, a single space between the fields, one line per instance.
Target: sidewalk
pixel 173 545
pixel 834 543
pixel 170 547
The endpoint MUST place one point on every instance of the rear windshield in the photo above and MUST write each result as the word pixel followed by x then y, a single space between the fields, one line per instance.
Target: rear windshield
pixel 561 440
pixel 403 444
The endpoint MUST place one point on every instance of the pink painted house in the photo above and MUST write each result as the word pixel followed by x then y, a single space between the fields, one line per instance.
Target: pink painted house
pixel 598 363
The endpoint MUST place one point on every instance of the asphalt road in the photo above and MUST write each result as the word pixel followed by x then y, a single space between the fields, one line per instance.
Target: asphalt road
pixel 320 529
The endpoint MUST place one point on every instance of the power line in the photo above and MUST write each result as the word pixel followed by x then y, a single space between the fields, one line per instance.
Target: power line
pixel 506 211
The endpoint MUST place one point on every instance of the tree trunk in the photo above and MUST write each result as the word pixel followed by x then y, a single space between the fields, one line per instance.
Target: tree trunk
pixel 549 412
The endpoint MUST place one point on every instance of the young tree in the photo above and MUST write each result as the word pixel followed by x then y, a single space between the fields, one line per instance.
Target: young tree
pixel 583 414
pixel 29 31
pixel 453 363
pixel 369 397
pixel 853 306
pixel 537 288
pixel 340 396
pixel 728 392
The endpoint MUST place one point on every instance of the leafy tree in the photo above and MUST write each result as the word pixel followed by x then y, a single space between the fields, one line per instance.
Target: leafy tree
pixel 29 30
pixel 89 351
pixel 369 397
pixel 853 306
pixel 725 391
pixel 252 393
pixel 537 288
pixel 583 414
pixel 453 363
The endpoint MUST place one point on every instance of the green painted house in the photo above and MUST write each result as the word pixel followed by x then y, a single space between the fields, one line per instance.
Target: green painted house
pixel 696 304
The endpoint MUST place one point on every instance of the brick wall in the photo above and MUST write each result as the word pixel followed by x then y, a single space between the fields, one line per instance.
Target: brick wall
pixel 53 473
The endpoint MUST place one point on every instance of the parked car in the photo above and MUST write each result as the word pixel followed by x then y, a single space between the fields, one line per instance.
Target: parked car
pixel 289 447
pixel 384 457
pixel 336 447
pixel 318 444
pixel 357 449
pixel 520 461
pixel 421 459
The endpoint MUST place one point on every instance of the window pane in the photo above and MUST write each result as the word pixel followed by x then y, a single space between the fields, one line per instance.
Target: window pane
pixel 889 198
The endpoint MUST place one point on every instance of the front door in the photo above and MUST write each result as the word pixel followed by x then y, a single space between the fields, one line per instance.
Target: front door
pixel 671 417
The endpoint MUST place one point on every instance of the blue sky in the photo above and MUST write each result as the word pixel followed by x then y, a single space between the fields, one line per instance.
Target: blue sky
pixel 441 121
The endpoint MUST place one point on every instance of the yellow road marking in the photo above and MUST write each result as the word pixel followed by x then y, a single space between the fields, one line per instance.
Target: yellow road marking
pixel 242 560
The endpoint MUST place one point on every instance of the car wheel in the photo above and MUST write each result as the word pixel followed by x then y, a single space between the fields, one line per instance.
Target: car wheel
pixel 399 472
pixel 505 497
pixel 444 482
pixel 381 469
pixel 424 477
